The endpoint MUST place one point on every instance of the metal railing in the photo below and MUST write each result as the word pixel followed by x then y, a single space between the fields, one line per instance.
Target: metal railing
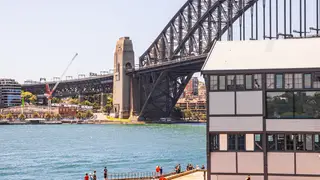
pixel 137 175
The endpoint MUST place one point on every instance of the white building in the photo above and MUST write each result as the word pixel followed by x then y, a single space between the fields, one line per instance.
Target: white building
pixel 264 110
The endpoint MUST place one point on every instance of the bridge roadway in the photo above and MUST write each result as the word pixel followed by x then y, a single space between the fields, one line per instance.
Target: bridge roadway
pixel 74 87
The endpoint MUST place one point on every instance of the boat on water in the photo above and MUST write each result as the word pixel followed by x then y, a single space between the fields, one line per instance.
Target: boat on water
pixel 35 120
pixel 4 122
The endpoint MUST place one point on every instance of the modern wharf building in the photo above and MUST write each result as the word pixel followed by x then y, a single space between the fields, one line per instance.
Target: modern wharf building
pixel 264 110
pixel 10 93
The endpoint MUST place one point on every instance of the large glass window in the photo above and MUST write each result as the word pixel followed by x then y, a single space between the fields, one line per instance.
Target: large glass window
pixel 279 81
pixel 309 144
pixel 289 142
pixel 298 81
pixel 213 142
pixel 288 80
pixel 272 142
pixel 230 82
pixel 280 105
pixel 213 83
pixel 280 142
pixel 293 142
pixel 257 81
pixel 307 81
pixel 239 82
pixel 258 142
pixel 231 142
pixel 300 142
pixel 222 82
pixel 241 142
pixel 316 139
pixel 270 81
pixel 316 81
pixel 307 105
pixel 248 81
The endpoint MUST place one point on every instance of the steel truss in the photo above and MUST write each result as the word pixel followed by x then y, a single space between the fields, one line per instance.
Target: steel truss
pixel 69 89
pixel 198 24
pixel 194 28
pixel 161 91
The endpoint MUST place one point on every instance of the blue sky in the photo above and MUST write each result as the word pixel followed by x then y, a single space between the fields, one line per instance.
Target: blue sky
pixel 38 38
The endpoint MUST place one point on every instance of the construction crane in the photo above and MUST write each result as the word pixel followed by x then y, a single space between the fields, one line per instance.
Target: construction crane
pixel 48 93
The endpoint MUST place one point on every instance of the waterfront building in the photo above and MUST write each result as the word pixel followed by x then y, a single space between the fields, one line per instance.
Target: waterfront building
pixel 10 93
pixel 192 87
pixel 263 110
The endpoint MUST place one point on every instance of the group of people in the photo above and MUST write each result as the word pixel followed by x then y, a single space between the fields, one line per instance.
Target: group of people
pixel 178 168
pixel 190 167
pixel 94 175
pixel 159 170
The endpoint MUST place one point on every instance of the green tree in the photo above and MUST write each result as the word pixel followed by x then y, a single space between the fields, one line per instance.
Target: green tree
pixel 29 97
pixel 58 116
pixel 35 115
pixel 56 100
pixel 22 116
pixel 79 115
pixel 74 101
pixel 88 114
pixel 9 116
pixel 86 103
pixel 187 113
pixel 203 117
pixel 47 116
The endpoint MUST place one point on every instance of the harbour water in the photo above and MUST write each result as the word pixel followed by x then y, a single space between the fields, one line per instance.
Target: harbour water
pixel 69 151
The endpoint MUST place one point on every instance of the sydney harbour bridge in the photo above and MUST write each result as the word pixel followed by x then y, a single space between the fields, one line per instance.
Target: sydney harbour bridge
pixel 182 46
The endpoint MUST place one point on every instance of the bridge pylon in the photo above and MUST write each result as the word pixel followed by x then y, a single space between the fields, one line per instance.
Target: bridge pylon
pixel 123 59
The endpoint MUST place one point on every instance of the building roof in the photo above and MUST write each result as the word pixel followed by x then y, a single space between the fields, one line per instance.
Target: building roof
pixel 264 54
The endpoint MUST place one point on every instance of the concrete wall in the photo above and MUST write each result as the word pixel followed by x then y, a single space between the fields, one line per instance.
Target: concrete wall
pixel 249 102
pixel 234 177
pixel 292 178
pixel 235 124
pixel 312 125
pixel 223 162
pixel 222 103
pixel 281 163
pixel 250 162
pixel 308 163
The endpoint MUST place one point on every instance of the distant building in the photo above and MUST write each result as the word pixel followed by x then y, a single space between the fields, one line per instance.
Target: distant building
pixel 263 110
pixel 192 87
pixel 10 93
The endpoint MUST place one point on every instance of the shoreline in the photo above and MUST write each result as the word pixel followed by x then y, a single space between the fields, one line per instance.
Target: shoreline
pixel 95 122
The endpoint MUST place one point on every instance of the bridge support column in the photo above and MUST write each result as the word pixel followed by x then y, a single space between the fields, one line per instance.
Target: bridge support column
pixel 123 59
pixel 80 97
pixel 103 100
pixel 134 97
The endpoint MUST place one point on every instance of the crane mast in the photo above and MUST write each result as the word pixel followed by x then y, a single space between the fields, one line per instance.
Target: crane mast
pixel 50 92
pixel 64 72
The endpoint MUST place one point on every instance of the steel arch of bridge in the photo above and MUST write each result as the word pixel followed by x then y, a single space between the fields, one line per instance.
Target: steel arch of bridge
pixel 191 33
pixel 194 28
